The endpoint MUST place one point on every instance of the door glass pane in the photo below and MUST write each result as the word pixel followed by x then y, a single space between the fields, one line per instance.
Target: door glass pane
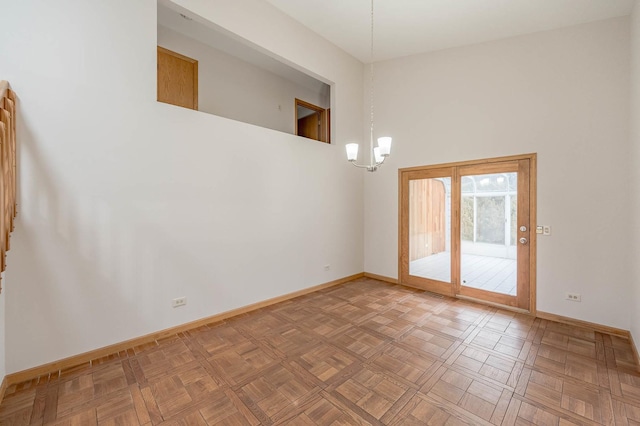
pixel 430 228
pixel 488 232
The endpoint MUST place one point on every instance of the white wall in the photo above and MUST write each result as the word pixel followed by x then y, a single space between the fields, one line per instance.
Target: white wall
pixel 3 363
pixel 232 88
pixel 126 203
pixel 562 94
pixel 635 174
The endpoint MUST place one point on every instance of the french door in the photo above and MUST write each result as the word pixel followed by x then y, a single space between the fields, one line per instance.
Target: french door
pixel 466 230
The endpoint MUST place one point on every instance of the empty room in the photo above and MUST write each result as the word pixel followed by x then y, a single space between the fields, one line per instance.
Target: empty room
pixel 185 239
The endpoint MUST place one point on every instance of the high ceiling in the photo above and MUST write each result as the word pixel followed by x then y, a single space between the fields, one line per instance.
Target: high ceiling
pixel 406 27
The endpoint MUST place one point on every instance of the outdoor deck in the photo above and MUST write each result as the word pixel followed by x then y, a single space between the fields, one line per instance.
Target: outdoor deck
pixel 484 272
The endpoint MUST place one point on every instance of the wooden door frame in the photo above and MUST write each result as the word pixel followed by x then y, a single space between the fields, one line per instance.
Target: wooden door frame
pixel 324 135
pixel 455 218
pixel 521 167
pixel 430 173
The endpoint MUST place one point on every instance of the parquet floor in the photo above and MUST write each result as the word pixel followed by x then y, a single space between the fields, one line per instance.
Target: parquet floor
pixel 361 353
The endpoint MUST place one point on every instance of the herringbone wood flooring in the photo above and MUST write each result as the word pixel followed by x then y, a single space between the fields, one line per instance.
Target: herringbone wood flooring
pixel 361 353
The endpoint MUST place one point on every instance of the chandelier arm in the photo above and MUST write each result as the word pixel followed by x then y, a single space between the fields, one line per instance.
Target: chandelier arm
pixel 360 166
pixel 371 167
pixel 384 157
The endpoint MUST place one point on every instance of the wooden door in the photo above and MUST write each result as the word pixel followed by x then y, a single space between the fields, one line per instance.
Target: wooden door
pixel 494 258
pixel 468 230
pixel 309 126
pixel 177 79
pixel 312 121
pixel 425 229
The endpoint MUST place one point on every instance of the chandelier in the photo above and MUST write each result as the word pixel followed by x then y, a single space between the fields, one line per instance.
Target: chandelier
pixel 378 154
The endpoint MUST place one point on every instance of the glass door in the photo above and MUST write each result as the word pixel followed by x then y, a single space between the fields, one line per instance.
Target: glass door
pixel 494 233
pixel 427 259
pixel 465 229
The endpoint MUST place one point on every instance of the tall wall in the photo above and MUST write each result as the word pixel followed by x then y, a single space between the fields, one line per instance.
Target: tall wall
pixel 634 188
pixel 562 94
pixel 3 363
pixel 126 203
pixel 232 88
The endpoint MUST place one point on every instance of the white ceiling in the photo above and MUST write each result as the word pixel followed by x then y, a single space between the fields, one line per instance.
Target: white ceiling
pixel 406 27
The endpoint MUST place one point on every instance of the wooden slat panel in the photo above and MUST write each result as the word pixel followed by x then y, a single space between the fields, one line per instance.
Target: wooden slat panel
pixel 4 138
pixel 426 218
pixel 8 208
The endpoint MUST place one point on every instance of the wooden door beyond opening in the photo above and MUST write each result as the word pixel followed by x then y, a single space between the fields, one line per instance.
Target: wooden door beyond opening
pixel 177 79
pixel 312 121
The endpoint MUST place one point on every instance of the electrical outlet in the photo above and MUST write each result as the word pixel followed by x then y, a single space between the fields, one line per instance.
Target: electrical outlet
pixel 546 230
pixel 574 297
pixel 327 267
pixel 180 301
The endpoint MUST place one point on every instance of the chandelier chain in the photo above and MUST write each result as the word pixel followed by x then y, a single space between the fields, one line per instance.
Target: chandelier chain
pixel 371 87
pixel 378 155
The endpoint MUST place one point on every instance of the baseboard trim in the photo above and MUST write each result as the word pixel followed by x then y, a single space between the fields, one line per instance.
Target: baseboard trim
pixel 493 304
pixel 88 357
pixel 580 323
pixel 381 278
pixel 634 348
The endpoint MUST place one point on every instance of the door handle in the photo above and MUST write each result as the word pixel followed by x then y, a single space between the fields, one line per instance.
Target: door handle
pixel 523 240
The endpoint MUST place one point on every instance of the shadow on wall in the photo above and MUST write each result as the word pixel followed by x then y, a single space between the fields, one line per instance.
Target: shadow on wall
pixel 82 266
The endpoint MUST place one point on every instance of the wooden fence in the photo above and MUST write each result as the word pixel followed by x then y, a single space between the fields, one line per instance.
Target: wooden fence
pixel 8 209
pixel 427 228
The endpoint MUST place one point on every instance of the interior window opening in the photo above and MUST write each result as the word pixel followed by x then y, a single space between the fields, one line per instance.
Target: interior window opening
pixel 203 67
